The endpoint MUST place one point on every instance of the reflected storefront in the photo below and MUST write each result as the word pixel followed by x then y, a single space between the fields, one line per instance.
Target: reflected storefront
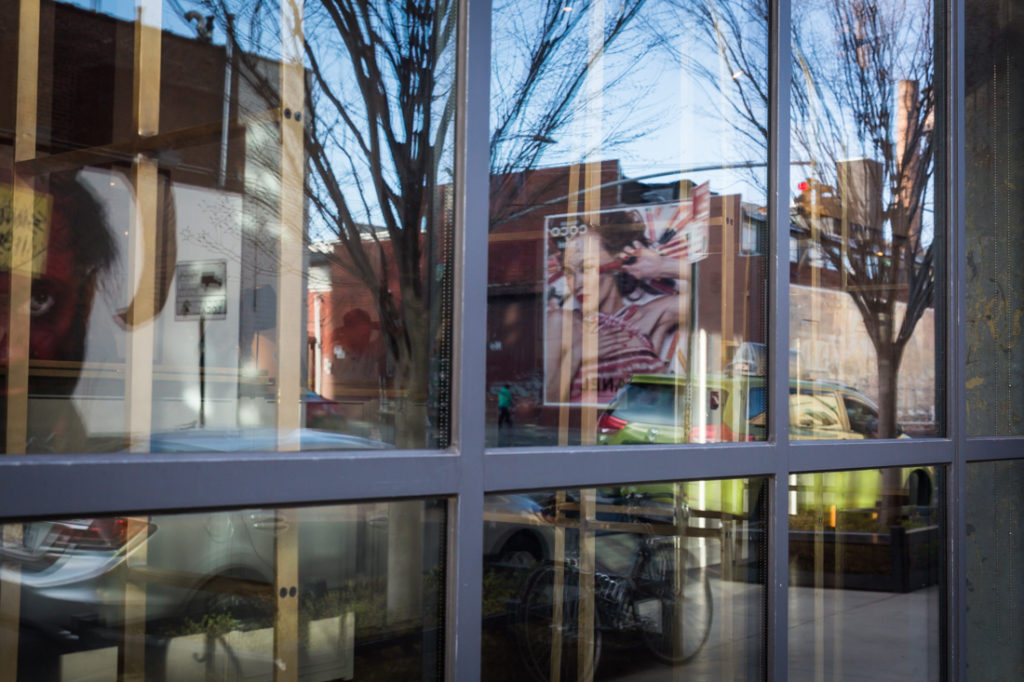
pixel 330 592
pixel 614 254
pixel 867 574
pixel 865 256
pixel 617 257
pixel 646 339
pixel 618 583
pixel 212 267
pixel 196 259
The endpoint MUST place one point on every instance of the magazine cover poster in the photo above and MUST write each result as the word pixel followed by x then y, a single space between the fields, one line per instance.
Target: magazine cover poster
pixel 644 256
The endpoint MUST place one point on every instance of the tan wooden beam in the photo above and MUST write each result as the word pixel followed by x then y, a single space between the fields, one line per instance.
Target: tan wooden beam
pixel 587 567
pixel 567 340
pixel 593 120
pixel 290 339
pixel 590 360
pixel 143 257
pixel 679 579
pixel 18 319
pixel 731 213
pixel 128 150
pixel 241 587
pixel 290 296
pixel 558 593
pixel 133 665
pixel 22 248
pixel 10 608
pixel 143 244
pixel 286 589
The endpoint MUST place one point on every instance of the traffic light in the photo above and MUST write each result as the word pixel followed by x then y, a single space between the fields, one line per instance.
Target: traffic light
pixel 804 201
pixel 816 199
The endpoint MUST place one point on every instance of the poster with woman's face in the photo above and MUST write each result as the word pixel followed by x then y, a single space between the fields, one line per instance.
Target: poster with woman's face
pixel 617 296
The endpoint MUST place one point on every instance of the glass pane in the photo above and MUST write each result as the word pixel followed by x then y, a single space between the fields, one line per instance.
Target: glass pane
pixel 319 593
pixel 995 570
pixel 865 239
pixel 994 145
pixel 231 225
pixel 628 220
pixel 633 582
pixel 866 570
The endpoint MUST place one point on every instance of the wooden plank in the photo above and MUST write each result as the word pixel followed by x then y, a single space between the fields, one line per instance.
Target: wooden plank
pixel 128 150
pixel 133 665
pixel 142 249
pixel 242 587
pixel 558 595
pixel 142 255
pixel 680 577
pixel 593 117
pixel 22 248
pixel 286 589
pixel 18 319
pixel 143 258
pixel 587 567
pixel 567 341
pixel 730 223
pixel 589 360
pixel 291 336
pixel 290 333
pixel 10 608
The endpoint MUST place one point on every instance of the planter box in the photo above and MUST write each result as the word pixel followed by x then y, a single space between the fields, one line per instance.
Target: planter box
pixel 249 656
pixel 94 665
pixel 898 561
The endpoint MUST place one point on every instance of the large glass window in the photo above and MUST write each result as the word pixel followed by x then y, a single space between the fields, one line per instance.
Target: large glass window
pixel 627 218
pixel 865 108
pixel 316 593
pixel 994 144
pixel 866 565
pixel 226 226
pixel 626 582
pixel 254 229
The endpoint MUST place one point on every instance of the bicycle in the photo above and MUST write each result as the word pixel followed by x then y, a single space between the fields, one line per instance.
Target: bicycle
pixel 641 603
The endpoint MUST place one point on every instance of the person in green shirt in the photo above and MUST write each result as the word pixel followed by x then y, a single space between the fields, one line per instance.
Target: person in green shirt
pixel 504 406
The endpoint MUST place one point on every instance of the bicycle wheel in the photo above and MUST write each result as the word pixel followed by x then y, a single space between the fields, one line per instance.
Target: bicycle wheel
pixel 656 596
pixel 537 626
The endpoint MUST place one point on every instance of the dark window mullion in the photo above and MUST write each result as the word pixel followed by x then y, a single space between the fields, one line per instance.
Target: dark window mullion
pixel 955 335
pixel 472 191
pixel 780 59
pixel 588 467
pixel 56 486
pixel 859 454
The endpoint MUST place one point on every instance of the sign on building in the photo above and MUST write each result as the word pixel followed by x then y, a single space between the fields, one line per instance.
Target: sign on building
pixel 201 290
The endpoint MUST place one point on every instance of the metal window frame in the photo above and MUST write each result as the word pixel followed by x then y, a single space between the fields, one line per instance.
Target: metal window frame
pixel 67 485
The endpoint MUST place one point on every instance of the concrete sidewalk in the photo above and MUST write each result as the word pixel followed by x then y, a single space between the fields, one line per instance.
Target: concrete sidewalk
pixel 834 635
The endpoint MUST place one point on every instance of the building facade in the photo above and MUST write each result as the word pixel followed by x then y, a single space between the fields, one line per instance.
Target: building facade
pixel 347 339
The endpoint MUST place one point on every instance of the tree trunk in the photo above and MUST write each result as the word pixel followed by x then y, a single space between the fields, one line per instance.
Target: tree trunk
pixel 412 386
pixel 888 380
pixel 892 478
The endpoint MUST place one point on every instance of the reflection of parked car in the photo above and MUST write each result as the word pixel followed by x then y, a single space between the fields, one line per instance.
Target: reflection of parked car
pixel 519 527
pixel 73 572
pixel 665 408
pixel 515 530
pixel 257 439
pixel 321 412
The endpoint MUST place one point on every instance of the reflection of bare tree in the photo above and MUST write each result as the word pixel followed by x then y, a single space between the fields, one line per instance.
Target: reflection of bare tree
pixel 378 142
pixel 883 79
pixel 377 128
pixel 862 112
pixel 543 54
